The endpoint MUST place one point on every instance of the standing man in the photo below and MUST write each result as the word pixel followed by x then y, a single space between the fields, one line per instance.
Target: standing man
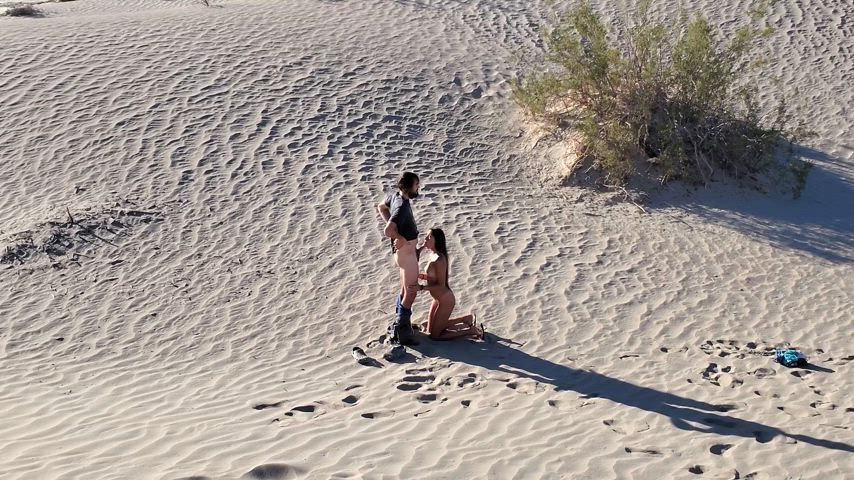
pixel 396 212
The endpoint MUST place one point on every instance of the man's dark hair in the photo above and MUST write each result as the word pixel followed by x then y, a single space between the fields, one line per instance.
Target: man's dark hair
pixel 407 181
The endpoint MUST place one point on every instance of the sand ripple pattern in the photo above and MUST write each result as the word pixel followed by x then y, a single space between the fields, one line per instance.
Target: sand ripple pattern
pixel 215 342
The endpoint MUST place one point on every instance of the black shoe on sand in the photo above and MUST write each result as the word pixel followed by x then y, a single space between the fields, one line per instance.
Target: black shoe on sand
pixel 360 356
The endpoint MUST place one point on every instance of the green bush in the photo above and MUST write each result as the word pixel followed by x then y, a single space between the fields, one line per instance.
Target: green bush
pixel 667 95
pixel 23 11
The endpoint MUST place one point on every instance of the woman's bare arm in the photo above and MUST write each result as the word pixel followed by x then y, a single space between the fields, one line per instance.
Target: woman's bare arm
pixel 430 276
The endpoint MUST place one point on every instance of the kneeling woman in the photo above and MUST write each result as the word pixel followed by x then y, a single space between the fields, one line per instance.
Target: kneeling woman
pixel 440 325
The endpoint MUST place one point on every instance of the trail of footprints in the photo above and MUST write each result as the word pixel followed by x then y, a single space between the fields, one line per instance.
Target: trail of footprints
pixel 724 376
pixel 421 382
pixel 311 410
pixel 427 386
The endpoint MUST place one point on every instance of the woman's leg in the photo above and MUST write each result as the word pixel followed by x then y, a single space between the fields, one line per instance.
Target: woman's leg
pixel 442 327
pixel 429 323
pixel 465 321
pixel 438 319
pixel 469 331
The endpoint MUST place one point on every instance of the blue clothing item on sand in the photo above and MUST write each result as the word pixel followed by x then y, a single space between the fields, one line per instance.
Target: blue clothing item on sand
pixel 791 358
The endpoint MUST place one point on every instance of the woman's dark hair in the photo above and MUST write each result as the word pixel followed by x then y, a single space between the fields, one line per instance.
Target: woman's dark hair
pixel 442 249
pixel 439 239
pixel 407 181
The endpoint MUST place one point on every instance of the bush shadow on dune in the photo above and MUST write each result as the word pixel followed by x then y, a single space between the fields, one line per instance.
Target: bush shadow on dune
pixel 819 224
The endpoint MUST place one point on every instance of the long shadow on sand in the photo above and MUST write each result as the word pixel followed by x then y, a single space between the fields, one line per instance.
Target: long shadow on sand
pixel 686 414
pixel 820 223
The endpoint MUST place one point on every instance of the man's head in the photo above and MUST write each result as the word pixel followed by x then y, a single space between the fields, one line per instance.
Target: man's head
pixel 409 184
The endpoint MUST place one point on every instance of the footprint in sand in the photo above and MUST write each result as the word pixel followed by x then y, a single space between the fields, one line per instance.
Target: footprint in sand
pixel 759 393
pixel 720 448
pixel 721 348
pixel 756 476
pixel 263 406
pixel 799 411
pixel 711 472
pixel 527 387
pixel 682 349
pixel 734 348
pixel 624 428
pixel 413 382
pixel 380 414
pixel 645 451
pixel 271 471
pixel 470 380
pixel 409 387
pixel 569 405
pixel 305 412
pixel 350 400
pixel 710 371
pixel 337 475
pixel 486 403
pixel 560 405
pixel 764 372
pixel 428 397
pixel 721 376
pixel 841 361
pixel 425 370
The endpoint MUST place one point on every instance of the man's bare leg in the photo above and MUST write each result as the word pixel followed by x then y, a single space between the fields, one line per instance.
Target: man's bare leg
pixel 408 265
pixel 407 261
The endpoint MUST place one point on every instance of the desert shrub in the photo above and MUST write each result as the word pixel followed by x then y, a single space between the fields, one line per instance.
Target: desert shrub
pixel 671 96
pixel 23 11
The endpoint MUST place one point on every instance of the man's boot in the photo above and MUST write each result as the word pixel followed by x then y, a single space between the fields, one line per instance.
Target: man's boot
pixel 404 331
pixel 394 337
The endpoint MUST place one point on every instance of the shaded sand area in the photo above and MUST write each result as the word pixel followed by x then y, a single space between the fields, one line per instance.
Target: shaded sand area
pixel 191 250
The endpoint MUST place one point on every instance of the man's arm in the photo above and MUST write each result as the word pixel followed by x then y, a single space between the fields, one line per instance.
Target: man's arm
pixel 390 216
pixel 385 213
pixel 391 232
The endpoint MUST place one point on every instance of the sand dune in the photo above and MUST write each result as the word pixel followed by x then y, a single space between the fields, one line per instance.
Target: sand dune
pixel 194 316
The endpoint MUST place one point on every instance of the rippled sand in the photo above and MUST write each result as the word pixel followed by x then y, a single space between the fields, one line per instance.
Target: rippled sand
pixel 189 196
